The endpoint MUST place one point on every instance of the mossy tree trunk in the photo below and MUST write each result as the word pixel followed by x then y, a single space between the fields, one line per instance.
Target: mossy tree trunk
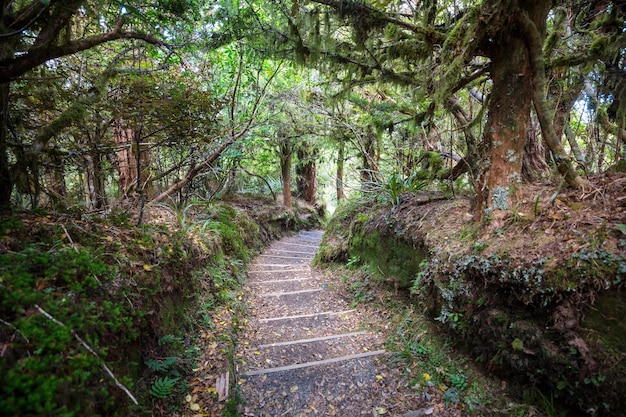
pixel 56 189
pixel 534 163
pixel 95 190
pixel 518 75
pixel 507 122
pixel 6 182
pixel 533 27
pixel 370 155
pixel 341 160
pixel 306 172
pixel 286 155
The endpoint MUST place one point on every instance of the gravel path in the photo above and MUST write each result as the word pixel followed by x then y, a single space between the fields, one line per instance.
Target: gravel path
pixel 305 351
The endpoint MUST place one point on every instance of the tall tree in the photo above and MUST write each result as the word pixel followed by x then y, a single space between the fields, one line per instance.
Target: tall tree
pixel 439 51
pixel 35 32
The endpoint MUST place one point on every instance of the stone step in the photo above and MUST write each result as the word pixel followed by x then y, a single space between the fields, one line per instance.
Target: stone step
pixel 281 286
pixel 302 247
pixel 273 267
pixel 296 303
pixel 260 273
pixel 342 388
pixel 297 254
pixel 283 329
pixel 309 352
pixel 284 285
pixel 302 241
pixel 283 260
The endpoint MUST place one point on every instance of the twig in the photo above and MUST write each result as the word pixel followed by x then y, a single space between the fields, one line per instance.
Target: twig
pixel 69 238
pixel 86 346
pixel 6 323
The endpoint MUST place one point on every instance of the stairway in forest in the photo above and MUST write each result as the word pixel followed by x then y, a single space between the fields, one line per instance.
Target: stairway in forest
pixel 305 350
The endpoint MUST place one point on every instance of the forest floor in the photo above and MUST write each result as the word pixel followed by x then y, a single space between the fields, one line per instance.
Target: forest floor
pixel 306 348
pixel 546 220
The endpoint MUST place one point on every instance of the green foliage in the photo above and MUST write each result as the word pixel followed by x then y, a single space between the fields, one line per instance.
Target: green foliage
pixel 163 387
pixel 47 372
pixel 391 190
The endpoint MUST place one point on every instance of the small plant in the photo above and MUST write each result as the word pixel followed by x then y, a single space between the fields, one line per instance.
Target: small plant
pixel 353 262
pixel 163 387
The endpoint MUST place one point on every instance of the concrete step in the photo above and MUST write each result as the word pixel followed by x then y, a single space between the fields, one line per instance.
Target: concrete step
pixel 291 304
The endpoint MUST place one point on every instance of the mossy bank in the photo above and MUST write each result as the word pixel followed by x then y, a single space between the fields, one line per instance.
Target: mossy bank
pixel 538 298
pixel 96 313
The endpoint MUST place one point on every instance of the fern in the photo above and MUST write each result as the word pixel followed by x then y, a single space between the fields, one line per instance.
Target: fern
pixel 163 387
pixel 160 366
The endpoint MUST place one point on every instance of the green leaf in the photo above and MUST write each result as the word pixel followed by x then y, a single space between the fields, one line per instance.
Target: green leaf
pixel 163 387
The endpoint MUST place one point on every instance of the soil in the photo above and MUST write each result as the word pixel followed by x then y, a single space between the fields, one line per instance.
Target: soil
pixel 545 221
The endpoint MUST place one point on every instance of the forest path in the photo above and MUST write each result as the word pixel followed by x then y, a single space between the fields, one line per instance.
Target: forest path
pixel 306 351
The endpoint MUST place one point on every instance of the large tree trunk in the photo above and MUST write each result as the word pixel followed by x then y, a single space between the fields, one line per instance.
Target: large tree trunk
pixel 518 76
pixel 534 163
pixel 133 161
pixel 341 158
pixel 286 153
pixel 126 160
pixel 56 188
pixel 94 183
pixel 306 172
pixel 507 124
pixel 533 27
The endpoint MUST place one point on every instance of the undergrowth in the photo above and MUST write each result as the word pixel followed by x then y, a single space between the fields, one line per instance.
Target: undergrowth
pixel 98 317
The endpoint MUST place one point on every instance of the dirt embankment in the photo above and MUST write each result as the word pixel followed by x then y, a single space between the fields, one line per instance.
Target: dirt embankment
pixel 538 296
pixel 80 292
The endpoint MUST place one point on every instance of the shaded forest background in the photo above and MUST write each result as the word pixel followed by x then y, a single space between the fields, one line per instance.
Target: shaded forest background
pixel 116 111
pixel 114 104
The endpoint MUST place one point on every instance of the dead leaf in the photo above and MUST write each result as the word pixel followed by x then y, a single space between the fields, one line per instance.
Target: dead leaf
pixel 221 386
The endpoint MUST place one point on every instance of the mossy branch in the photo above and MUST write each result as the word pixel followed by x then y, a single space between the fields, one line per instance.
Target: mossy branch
pixel 534 43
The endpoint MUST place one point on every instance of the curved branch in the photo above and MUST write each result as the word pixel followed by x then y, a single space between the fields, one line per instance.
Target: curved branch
pixel 194 171
pixel 14 67
pixel 562 159
pixel 362 9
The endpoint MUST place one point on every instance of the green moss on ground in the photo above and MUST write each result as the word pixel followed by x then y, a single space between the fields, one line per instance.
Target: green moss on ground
pixel 131 293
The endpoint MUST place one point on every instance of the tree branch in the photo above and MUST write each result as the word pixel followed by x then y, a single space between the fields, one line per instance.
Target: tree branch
pixel 13 68
pixel 93 352
pixel 357 9
pixel 194 171
pixel 562 159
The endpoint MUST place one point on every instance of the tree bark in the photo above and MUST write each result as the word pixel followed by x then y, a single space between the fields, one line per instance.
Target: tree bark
pixel 6 182
pixel 126 161
pixel 534 42
pixel 341 159
pixel 534 163
pixel 94 183
pixel 14 67
pixel 507 124
pixel 306 172
pixel 285 172
pixel 56 188
pixel 370 154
